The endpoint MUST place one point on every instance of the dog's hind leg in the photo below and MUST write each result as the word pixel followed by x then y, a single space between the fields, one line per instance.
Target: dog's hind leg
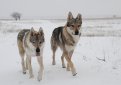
pixel 53 57
pixel 26 64
pixel 22 53
pixel 62 60
pixel 23 64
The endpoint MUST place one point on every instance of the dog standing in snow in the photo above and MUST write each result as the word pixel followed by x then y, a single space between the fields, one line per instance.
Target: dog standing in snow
pixel 67 37
pixel 31 43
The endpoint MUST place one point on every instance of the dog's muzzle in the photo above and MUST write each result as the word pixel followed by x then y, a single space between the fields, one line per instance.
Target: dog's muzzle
pixel 76 32
pixel 37 51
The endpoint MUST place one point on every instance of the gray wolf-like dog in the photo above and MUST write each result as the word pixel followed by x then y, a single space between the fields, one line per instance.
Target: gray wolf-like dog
pixel 66 37
pixel 31 43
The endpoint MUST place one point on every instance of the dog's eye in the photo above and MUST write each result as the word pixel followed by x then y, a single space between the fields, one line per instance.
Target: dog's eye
pixel 79 25
pixel 40 42
pixel 72 25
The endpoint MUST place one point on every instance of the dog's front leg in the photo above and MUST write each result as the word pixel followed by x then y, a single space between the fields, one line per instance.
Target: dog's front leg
pixel 70 63
pixel 29 66
pixel 70 56
pixel 40 73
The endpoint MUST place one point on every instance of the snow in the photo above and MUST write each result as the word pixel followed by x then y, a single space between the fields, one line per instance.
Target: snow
pixel 97 59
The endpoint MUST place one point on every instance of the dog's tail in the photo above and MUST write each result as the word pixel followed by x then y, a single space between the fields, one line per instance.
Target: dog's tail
pixel 55 37
pixel 53 43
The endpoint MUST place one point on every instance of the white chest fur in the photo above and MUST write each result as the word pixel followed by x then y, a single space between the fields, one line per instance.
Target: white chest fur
pixel 30 49
pixel 76 38
pixel 70 48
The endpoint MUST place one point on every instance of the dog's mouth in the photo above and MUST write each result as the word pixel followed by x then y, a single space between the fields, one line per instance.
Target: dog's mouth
pixel 37 51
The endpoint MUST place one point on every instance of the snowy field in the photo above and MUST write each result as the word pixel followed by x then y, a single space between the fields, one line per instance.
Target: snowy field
pixel 97 57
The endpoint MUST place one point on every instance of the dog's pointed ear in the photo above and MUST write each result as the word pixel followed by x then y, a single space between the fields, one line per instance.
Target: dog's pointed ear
pixel 79 17
pixel 70 16
pixel 41 31
pixel 32 31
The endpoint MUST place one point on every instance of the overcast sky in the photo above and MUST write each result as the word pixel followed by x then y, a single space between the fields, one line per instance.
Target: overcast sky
pixel 59 8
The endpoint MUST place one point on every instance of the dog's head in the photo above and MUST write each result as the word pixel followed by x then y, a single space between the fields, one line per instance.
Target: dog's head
pixel 37 39
pixel 74 24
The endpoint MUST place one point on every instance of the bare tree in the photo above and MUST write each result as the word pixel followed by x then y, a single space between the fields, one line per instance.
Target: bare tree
pixel 16 16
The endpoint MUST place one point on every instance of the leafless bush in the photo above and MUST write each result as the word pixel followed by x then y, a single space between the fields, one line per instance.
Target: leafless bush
pixel 16 16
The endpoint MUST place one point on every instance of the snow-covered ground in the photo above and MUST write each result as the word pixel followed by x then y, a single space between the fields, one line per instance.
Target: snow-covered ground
pixel 97 59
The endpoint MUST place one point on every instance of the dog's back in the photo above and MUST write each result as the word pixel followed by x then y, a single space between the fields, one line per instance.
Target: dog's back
pixel 56 38
pixel 21 34
pixel 20 37
pixel 56 34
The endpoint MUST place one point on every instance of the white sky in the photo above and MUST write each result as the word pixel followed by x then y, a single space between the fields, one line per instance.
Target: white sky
pixel 59 8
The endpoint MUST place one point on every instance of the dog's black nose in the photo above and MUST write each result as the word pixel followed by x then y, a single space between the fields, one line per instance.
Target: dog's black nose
pixel 37 50
pixel 76 32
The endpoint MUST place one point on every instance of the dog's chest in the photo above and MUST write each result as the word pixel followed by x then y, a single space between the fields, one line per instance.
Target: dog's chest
pixel 70 48
pixel 31 50
pixel 76 38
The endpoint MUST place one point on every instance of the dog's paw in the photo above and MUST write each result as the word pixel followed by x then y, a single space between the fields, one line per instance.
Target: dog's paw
pixel 31 76
pixel 39 79
pixel 74 74
pixel 53 63
pixel 24 72
pixel 63 66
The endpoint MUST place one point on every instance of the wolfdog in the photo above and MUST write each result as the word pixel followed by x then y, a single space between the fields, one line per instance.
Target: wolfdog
pixel 67 37
pixel 31 43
